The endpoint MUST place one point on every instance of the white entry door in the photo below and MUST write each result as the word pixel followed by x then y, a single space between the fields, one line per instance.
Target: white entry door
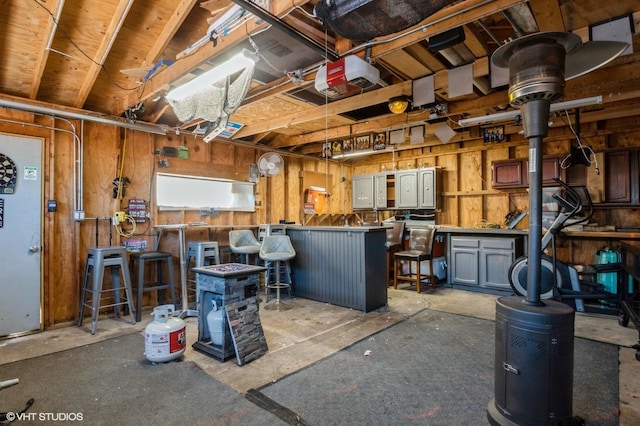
pixel 20 234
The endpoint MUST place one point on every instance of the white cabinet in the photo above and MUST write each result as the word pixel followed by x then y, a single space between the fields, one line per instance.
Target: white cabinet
pixel 385 191
pixel 407 189
pixel 363 195
pixel 402 190
pixel 428 184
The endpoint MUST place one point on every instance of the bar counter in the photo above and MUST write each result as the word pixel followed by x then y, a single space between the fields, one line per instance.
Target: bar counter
pixel 340 265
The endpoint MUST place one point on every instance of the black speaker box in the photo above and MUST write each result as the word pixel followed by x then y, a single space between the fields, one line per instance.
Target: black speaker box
pixel 446 39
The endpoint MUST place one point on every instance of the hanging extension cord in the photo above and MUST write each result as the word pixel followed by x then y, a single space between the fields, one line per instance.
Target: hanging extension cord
pixel 117 223
pixel 119 217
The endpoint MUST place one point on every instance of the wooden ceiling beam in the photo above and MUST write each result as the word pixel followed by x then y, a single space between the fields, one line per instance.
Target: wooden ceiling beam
pixel 41 60
pixel 547 14
pixel 450 17
pixel 89 80
pixel 336 107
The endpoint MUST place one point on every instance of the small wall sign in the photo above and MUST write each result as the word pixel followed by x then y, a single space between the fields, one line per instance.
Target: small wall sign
pixel 30 173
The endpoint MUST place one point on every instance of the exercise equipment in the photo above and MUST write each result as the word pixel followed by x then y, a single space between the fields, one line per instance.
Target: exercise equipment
pixel 559 280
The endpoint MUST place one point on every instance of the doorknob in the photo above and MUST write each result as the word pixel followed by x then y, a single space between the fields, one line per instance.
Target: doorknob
pixel 34 249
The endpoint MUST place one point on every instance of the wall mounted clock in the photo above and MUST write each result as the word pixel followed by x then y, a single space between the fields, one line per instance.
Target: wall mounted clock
pixel 8 175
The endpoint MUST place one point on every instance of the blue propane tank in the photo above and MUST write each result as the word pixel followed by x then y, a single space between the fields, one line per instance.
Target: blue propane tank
pixel 608 279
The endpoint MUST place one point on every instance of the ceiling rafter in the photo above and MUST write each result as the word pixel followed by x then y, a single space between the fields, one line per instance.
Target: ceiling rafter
pixel 280 111
pixel 49 29
pixel 162 80
pixel 101 53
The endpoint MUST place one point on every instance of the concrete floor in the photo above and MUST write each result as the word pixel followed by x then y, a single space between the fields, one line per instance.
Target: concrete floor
pixel 310 331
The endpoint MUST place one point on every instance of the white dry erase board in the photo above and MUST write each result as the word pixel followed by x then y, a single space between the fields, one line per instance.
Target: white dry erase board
pixel 181 192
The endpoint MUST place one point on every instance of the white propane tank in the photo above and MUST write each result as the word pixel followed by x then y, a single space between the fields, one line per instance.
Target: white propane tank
pixel 165 338
pixel 215 321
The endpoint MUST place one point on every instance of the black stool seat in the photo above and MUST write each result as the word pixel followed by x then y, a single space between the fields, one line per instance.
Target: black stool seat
pixel 140 285
pixel 151 255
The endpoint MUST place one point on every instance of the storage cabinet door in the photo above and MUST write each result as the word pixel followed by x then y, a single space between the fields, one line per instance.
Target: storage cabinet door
pixel 465 261
pixel 381 191
pixel 427 189
pixel 617 179
pixel 464 266
pixel 495 271
pixel 407 190
pixel 362 187
pixel 508 174
pixel 551 171
pixel 497 255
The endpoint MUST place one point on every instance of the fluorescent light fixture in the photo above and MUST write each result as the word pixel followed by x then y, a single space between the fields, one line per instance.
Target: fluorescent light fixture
pixel 356 154
pixel 508 115
pixel 237 63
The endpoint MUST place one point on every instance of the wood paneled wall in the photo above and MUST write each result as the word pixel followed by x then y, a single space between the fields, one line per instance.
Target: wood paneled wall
pixel 467 196
pixel 110 152
pixel 468 199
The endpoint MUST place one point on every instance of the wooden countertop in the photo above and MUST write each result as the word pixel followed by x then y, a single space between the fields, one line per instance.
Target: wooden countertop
pixel 337 228
pixel 487 231
pixel 616 235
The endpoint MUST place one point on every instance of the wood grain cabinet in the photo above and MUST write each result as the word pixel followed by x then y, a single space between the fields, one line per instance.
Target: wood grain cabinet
pixel 514 173
pixel 617 178
pixel 506 174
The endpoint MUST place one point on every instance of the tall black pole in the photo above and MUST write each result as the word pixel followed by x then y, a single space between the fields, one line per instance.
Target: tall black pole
pixel 535 119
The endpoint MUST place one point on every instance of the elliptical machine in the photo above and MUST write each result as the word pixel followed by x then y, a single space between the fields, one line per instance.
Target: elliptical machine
pixel 558 280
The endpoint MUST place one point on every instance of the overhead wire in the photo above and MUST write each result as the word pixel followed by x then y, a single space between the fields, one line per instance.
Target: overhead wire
pixel 79 49
pixel 586 151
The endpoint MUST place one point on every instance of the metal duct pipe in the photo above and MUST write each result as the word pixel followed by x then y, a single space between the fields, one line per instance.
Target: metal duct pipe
pixel 23 106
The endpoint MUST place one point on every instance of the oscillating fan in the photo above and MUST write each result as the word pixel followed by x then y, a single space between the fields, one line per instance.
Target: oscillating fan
pixel 270 164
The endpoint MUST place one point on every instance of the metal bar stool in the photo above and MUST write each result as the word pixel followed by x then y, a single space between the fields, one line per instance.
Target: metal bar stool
pixel 203 253
pixel 277 250
pixel 141 286
pixel 99 258
pixel 266 230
